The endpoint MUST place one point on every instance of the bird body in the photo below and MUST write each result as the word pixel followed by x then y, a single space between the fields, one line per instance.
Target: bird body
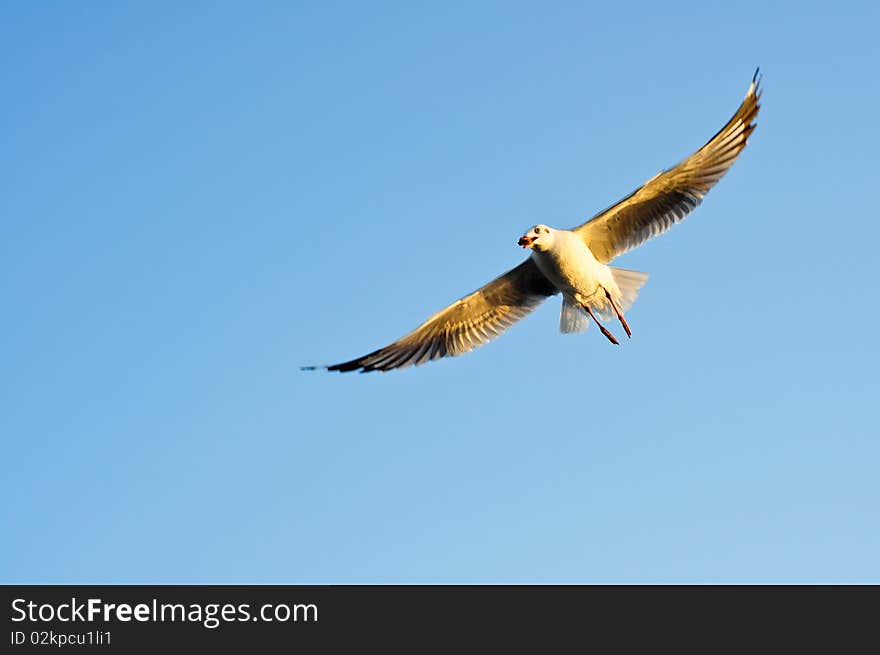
pixel 586 284
pixel 574 262
pixel 573 269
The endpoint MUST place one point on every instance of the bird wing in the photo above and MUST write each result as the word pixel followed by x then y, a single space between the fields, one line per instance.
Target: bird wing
pixel 671 195
pixel 466 324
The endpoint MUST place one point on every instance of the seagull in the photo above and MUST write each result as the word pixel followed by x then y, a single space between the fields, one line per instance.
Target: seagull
pixel 574 262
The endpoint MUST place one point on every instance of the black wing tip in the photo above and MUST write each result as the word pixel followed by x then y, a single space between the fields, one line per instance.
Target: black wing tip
pixel 346 367
pixel 354 365
pixel 752 104
pixel 756 83
pixel 363 365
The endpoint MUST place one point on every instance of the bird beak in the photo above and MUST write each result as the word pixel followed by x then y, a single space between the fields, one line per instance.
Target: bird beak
pixel 525 241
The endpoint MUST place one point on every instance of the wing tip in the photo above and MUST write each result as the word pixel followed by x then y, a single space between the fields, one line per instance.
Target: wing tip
pixel 755 86
pixel 345 367
pixel 361 365
pixel 348 367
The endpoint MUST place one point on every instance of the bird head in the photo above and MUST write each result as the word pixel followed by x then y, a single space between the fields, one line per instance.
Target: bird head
pixel 538 238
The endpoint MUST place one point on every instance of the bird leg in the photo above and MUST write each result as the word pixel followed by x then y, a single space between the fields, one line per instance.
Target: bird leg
pixel 619 313
pixel 601 327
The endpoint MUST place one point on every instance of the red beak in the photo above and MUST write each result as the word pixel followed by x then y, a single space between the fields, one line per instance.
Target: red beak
pixel 525 242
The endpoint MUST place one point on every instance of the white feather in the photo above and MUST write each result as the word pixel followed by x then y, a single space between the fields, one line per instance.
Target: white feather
pixel 572 318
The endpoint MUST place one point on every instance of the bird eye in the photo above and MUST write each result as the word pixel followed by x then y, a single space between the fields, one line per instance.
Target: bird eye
pixel 537 230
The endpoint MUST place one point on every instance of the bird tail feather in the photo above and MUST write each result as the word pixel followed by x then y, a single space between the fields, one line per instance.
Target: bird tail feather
pixel 629 283
pixel 573 318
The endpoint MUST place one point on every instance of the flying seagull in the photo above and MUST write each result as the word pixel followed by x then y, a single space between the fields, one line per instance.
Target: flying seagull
pixel 574 262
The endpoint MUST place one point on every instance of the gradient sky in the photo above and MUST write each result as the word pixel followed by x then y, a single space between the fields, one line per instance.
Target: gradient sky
pixel 199 198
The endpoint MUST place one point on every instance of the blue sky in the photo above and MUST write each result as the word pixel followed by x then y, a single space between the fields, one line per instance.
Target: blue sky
pixel 199 198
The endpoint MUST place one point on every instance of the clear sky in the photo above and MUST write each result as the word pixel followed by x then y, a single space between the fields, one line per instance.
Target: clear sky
pixel 199 198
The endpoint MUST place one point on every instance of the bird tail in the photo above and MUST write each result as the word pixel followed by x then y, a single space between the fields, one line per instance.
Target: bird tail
pixel 629 283
pixel 573 318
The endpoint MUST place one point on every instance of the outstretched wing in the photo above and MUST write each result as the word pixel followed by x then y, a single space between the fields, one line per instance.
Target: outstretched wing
pixel 668 197
pixel 464 325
